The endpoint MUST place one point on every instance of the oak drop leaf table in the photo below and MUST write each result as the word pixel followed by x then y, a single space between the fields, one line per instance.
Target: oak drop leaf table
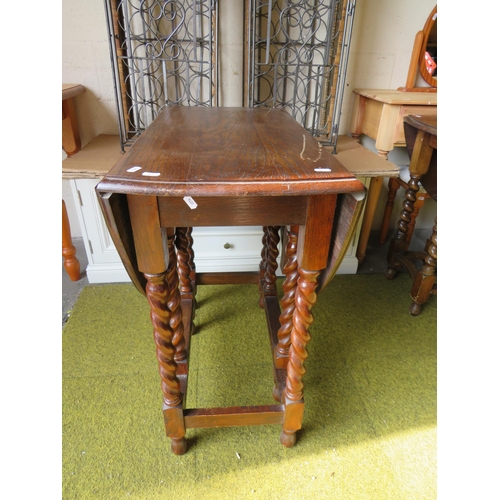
pixel 197 166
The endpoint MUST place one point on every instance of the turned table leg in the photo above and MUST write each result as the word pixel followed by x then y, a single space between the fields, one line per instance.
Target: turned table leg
pixel 186 269
pixel 288 301
pixel 398 243
pixel 159 295
pixel 305 298
pixel 425 279
pixel 71 263
pixel 269 262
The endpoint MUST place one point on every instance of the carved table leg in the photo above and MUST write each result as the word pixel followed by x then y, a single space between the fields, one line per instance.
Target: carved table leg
pixel 287 302
pixel 398 243
pixel 174 302
pixel 419 203
pixel 190 252
pixel 263 263
pixel 186 268
pixel 269 262
pixel 424 282
pixel 185 261
pixel 305 298
pixel 71 263
pixel 159 295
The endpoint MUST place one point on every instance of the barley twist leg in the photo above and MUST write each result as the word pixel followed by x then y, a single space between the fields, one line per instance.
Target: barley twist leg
pixel 185 255
pixel 398 243
pixel 174 302
pixel 158 295
pixel 263 263
pixel 424 281
pixel 288 301
pixel 272 260
pixel 305 298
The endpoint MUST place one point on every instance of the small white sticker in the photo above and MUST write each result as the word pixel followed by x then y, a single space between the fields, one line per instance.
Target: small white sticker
pixel 134 169
pixel 322 169
pixel 151 174
pixel 190 202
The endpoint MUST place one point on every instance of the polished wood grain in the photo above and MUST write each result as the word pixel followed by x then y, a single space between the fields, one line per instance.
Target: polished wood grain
pixel 263 152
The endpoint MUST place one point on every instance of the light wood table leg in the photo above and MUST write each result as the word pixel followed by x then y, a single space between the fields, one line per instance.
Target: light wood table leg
pixel 371 205
pixel 71 142
pixel 71 263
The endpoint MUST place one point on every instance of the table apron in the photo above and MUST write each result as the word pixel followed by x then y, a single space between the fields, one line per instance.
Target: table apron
pixel 233 211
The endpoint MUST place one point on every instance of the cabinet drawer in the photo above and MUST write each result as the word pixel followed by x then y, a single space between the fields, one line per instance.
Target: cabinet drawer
pixel 227 249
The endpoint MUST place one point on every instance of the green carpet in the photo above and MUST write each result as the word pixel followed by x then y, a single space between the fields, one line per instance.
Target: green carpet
pixel 369 429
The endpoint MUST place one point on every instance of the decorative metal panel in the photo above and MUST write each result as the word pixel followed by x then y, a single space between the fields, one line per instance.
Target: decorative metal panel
pixel 297 56
pixel 163 53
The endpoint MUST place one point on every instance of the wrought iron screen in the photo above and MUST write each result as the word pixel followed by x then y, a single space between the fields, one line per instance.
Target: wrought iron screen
pixel 297 59
pixel 163 53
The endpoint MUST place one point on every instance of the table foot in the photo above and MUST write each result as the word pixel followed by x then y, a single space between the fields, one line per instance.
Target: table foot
pixel 179 445
pixel 415 309
pixel 288 439
pixel 390 273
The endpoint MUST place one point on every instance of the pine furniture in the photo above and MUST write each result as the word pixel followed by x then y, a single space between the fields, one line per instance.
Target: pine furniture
pixel 379 115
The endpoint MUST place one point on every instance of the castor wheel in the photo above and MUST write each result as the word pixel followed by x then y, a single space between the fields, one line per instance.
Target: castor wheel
pixel 415 309
pixel 390 273
pixel 179 445
pixel 288 439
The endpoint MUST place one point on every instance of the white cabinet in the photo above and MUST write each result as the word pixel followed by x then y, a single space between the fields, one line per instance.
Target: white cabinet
pixel 217 249
pixel 104 264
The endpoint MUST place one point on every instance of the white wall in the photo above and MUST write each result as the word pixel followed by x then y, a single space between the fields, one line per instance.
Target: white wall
pixel 382 42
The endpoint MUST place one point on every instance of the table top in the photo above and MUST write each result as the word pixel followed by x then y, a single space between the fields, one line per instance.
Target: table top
pixel 399 97
pixel 202 151
pixel 427 123
pixel 70 90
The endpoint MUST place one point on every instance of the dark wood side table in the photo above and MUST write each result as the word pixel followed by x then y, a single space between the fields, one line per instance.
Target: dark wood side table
pixel 421 139
pixel 197 166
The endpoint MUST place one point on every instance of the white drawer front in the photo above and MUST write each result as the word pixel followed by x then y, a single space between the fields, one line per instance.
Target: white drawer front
pixel 227 249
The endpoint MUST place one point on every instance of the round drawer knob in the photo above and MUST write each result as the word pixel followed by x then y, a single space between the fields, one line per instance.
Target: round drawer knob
pixel 227 245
